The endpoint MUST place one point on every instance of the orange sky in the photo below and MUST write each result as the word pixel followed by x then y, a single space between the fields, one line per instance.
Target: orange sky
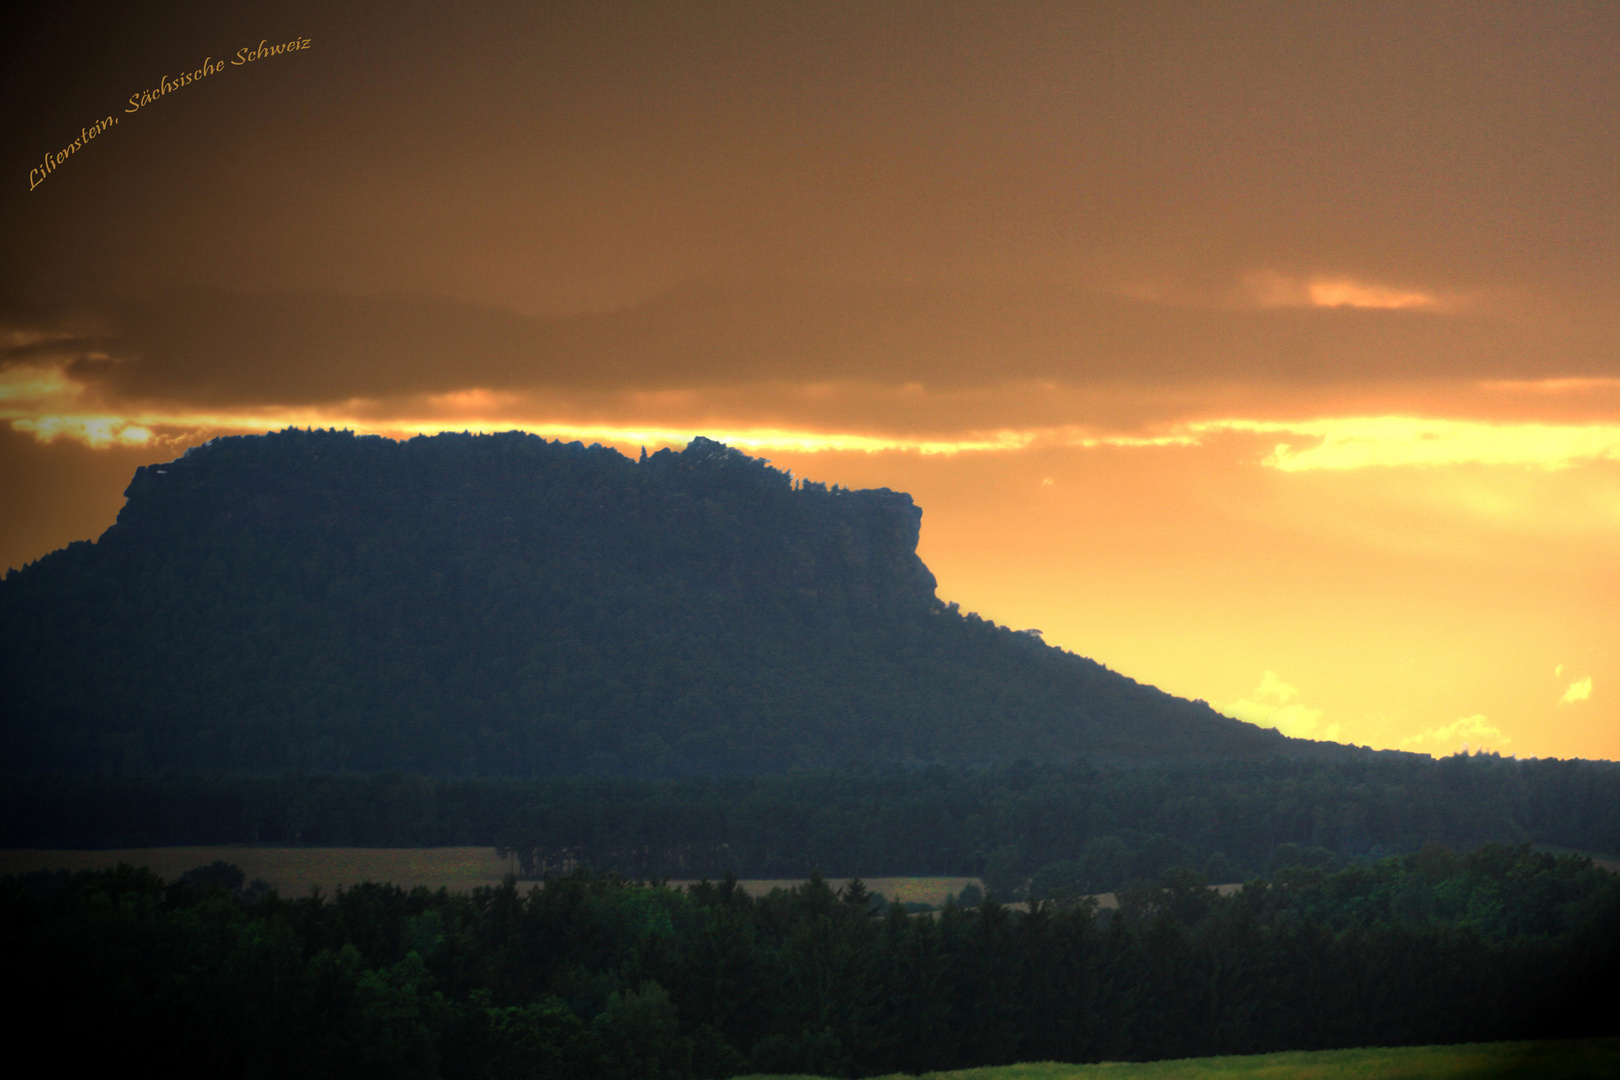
pixel 1266 353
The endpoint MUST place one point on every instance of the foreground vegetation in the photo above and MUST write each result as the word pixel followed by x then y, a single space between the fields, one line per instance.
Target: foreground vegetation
pixel 585 976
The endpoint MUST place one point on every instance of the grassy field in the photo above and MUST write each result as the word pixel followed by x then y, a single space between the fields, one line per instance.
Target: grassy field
pixel 1582 1059
pixel 293 871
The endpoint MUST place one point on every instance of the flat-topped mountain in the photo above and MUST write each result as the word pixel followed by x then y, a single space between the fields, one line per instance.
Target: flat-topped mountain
pixel 501 604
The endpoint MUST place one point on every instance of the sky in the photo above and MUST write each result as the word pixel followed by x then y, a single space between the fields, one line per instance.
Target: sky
pixel 1266 353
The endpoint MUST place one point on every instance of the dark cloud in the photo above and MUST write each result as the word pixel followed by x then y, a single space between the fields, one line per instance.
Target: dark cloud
pixel 598 198
pixel 569 158
pixel 209 346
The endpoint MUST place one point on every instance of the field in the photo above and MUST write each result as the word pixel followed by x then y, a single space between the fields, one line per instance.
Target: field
pixel 1581 1059
pixel 293 871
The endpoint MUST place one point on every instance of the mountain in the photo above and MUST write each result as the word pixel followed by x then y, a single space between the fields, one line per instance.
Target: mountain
pixel 504 605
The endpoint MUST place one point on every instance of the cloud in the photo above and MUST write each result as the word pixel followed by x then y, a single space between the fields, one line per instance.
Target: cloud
pixel 78 397
pixel 1579 690
pixel 56 399
pixel 910 369
pixel 1470 731
pixel 51 403
pixel 1360 442
pixel 1271 289
pixel 1345 293
pixel 1551 387
pixel 213 346
pixel 1273 705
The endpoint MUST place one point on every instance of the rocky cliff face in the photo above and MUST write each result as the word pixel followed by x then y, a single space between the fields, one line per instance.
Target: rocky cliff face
pixel 708 516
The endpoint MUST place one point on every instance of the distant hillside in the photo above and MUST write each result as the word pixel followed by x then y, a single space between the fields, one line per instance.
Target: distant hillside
pixel 501 605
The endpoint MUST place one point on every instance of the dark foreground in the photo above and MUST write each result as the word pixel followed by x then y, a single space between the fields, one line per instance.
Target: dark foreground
pixel 591 977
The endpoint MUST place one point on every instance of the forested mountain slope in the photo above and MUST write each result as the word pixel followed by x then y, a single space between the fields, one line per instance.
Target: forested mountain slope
pixel 487 605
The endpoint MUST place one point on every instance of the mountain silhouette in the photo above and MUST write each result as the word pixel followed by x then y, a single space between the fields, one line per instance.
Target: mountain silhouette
pixel 503 605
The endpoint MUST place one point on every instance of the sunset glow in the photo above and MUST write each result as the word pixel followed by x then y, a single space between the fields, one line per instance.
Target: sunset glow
pixel 49 403
pixel 1217 344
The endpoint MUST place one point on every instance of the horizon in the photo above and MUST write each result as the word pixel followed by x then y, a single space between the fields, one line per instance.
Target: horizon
pixel 1267 355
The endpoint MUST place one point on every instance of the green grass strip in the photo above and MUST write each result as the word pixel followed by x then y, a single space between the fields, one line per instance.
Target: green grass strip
pixel 1579 1059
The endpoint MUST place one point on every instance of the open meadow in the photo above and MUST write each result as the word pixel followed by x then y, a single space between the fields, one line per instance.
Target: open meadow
pixel 1575 1059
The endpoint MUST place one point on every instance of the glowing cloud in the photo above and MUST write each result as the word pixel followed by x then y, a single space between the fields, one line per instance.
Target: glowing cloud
pixel 22 385
pixel 1346 293
pixel 1579 690
pixel 1274 705
pixel 1361 442
pixel 1459 735
pixel 1343 444
pixel 94 431
pixel 1550 386
pixel 48 403
pixel 51 402
pixel 1272 289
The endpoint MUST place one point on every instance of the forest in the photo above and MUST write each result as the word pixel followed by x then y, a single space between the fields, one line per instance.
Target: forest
pixel 1096 827
pixel 588 976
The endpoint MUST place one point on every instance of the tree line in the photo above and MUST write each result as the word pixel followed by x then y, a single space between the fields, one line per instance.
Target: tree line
pixel 586 976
